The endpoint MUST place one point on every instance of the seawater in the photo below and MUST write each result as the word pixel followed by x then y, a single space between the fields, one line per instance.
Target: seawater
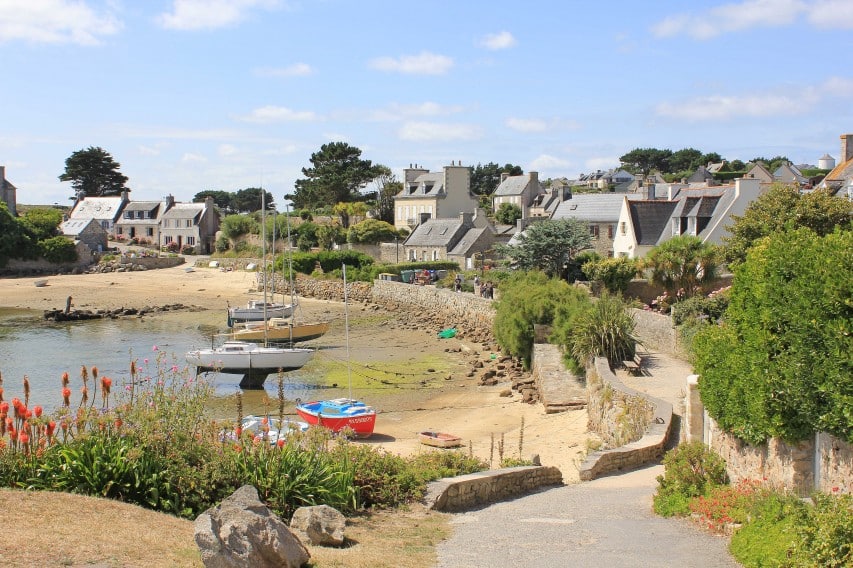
pixel 43 350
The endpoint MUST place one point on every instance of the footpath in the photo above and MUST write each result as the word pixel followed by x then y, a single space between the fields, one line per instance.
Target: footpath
pixel 606 522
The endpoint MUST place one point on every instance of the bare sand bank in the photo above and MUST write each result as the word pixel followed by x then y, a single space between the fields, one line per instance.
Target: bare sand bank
pixel 477 414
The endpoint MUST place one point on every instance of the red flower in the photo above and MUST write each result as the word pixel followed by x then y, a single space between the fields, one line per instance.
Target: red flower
pixel 238 431
pixel 37 411
pixel 4 407
pixel 280 442
pixel 24 438
pixel 106 383
pixel 118 423
pixel 65 379
pixel 51 426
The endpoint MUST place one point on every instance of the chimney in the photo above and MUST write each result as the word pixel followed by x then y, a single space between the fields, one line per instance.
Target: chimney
pixel 534 177
pixel 846 147
pixel 425 217
pixel 650 191
pixel 170 201
pixel 504 175
pixel 466 218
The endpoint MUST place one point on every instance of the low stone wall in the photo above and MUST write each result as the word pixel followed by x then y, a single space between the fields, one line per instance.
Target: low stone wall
pixel 646 291
pixel 617 413
pixel 824 463
pixel 453 494
pixel 657 332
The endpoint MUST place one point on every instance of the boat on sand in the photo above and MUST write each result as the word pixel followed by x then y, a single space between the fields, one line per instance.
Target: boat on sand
pixel 339 414
pixel 439 439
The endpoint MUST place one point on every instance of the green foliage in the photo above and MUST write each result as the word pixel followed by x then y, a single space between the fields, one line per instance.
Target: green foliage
pixel 508 213
pixel 222 199
pixel 683 264
pixel 14 240
pixel 42 222
pixel 94 173
pixel 58 249
pixel 337 175
pixel 784 208
pixel 825 533
pixel 249 200
pixel 690 470
pixel 222 243
pixel 790 308
pixel 613 273
pixel 548 246
pixel 234 226
pixel 306 263
pixel 529 298
pixel 575 271
pixel 371 231
pixel 606 330
pixel 710 308
pixel 306 235
pixel 768 537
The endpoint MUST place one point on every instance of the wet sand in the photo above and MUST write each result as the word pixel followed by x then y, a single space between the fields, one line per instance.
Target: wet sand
pixel 445 399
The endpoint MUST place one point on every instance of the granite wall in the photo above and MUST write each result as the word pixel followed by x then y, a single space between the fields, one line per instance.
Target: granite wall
pixel 465 492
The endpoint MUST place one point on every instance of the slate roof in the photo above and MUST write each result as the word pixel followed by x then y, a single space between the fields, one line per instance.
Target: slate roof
pixel 144 206
pixel 649 219
pixel 73 227
pixel 466 242
pixel 104 208
pixel 600 207
pixel 425 185
pixel 434 233
pixel 515 185
pixel 184 211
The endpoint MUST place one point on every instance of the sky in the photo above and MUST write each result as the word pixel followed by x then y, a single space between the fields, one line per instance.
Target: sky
pixel 194 95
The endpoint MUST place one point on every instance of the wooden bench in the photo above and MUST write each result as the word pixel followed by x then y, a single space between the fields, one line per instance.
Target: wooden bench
pixel 635 365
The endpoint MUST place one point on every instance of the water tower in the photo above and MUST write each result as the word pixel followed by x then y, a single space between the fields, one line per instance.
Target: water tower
pixel 826 162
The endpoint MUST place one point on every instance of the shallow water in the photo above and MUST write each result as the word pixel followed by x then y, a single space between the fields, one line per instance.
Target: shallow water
pixel 44 350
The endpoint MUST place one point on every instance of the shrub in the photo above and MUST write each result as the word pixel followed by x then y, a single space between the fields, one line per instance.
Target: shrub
pixel 605 330
pixel 613 273
pixel 825 532
pixel 690 470
pixel 234 226
pixel 58 249
pixel 768 536
pixel 222 243
pixel 188 249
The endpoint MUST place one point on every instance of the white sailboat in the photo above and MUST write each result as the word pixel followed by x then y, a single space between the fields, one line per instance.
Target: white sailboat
pixel 251 360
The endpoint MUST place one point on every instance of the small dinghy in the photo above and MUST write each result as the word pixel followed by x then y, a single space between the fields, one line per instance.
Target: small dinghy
pixel 439 439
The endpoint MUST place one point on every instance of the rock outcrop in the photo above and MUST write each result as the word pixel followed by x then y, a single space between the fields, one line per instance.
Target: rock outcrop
pixel 242 531
pixel 320 525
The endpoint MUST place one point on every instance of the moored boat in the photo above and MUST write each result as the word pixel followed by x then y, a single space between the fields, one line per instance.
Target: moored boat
pixel 258 310
pixel 271 429
pixel 253 361
pixel 439 439
pixel 279 330
pixel 339 414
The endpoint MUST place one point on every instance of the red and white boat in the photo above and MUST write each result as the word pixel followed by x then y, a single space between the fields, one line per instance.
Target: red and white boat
pixel 339 414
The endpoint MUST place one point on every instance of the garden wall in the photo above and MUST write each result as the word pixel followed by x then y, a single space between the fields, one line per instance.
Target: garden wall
pixel 657 333
pixel 463 308
pixel 635 422
pixel 824 463
pixel 464 492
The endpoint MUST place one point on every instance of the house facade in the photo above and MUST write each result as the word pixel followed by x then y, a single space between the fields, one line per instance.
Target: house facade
pixel 8 193
pixel 190 225
pixel 840 180
pixel 522 191
pixel 86 231
pixel 600 211
pixel 441 195
pixel 705 213
pixel 459 240
pixel 140 221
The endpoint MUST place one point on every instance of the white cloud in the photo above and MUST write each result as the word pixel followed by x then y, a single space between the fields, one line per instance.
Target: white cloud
pixel 227 150
pixel 398 111
pixel 55 21
pixel 425 63
pixel 295 70
pixel 431 131
pixel 749 14
pixel 502 40
pixel 209 14
pixel 269 113
pixel 527 124
pixel 832 14
pixel 547 162
pixel 190 157
pixel 149 150
pixel 722 107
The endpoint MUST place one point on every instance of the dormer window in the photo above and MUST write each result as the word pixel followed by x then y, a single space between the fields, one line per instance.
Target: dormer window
pixel 428 188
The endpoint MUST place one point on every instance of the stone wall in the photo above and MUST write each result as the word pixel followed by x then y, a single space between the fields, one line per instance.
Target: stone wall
pixel 645 291
pixel 464 492
pixel 824 463
pixel 635 422
pixel 657 333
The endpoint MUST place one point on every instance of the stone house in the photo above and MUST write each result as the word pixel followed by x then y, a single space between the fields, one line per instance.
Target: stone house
pixel 789 173
pixel 705 213
pixel 600 211
pixel 840 180
pixel 141 220
pixel 8 193
pixel 190 224
pixel 89 232
pixel 441 195
pixel 522 191
pixel 104 210
pixel 760 172
pixel 459 240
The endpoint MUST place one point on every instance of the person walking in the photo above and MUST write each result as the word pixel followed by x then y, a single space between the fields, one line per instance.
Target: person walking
pixel 458 283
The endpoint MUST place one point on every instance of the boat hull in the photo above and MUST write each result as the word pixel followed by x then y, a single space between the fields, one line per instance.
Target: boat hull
pixel 246 358
pixel 282 333
pixel 439 439
pixel 340 414
pixel 256 311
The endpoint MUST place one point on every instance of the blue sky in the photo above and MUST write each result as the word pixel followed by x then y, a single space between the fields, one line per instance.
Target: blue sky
pixel 189 95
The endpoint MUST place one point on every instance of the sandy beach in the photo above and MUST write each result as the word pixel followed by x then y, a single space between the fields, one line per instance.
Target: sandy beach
pixel 478 414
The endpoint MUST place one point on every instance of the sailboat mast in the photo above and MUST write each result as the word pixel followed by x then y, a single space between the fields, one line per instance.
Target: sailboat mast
pixel 346 327
pixel 289 260
pixel 264 255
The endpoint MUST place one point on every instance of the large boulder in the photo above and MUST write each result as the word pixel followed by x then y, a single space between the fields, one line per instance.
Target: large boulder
pixel 242 531
pixel 320 525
